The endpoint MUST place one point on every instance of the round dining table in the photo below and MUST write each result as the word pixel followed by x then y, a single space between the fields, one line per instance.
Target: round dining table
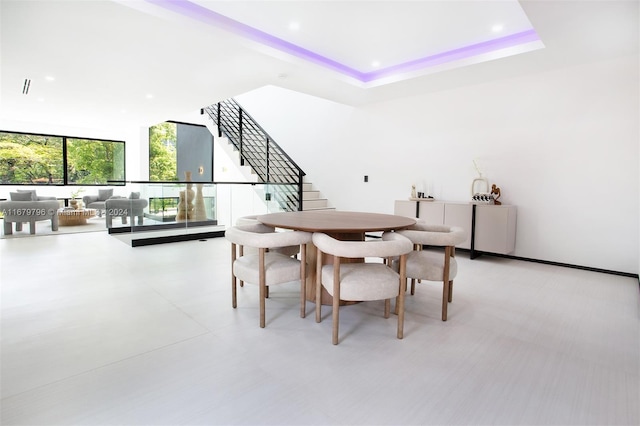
pixel 342 225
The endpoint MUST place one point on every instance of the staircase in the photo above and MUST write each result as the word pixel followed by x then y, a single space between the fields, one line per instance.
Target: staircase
pixel 268 163
pixel 312 198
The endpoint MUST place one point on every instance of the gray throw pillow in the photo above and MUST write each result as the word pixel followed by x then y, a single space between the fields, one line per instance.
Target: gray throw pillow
pixel 20 196
pixel 134 196
pixel 34 197
pixel 104 194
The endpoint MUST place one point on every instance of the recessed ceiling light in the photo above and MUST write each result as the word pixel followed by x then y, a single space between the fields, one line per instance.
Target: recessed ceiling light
pixel 375 64
pixel 497 28
pixel 40 99
pixel 294 26
pixel 149 96
pixel 49 78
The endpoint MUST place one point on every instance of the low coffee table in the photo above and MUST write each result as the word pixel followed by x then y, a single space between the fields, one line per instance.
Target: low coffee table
pixel 74 217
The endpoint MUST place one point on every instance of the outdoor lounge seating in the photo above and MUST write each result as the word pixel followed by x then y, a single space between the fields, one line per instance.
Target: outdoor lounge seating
pixel 125 207
pixel 27 207
pixel 97 201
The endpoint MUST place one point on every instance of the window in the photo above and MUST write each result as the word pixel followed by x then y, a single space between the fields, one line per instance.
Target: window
pixel 178 149
pixel 163 158
pixel 30 159
pixel 94 162
pixel 40 160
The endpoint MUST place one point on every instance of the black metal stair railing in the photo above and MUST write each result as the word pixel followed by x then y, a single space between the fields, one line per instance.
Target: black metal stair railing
pixel 258 150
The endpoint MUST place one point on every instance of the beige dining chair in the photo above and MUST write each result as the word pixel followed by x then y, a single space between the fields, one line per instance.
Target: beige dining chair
pixel 429 265
pixel 253 220
pixel 263 267
pixel 361 281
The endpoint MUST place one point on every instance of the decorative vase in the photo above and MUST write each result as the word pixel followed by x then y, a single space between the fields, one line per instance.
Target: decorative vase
pixel 200 211
pixel 185 204
pixel 480 185
pixel 74 204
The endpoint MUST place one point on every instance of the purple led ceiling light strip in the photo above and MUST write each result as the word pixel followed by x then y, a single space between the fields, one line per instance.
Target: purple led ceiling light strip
pixel 455 55
pixel 209 17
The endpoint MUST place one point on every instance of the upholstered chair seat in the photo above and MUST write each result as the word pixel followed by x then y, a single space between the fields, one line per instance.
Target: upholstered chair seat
pixel 427 263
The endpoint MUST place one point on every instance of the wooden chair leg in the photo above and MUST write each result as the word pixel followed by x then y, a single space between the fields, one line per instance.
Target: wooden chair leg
pixel 446 288
pixel 303 280
pixel 445 300
pixel 241 253
pixel 413 286
pixel 404 289
pixel 234 296
pixel 266 292
pixel 387 307
pixel 319 286
pixel 263 288
pixel 336 299
pixel 453 254
pixel 400 303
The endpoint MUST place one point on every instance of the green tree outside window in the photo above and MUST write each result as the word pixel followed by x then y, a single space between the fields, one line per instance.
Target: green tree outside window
pixel 163 160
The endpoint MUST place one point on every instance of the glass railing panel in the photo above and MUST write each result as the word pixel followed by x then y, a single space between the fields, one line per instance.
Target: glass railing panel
pixel 240 200
pixel 182 206
pixel 163 206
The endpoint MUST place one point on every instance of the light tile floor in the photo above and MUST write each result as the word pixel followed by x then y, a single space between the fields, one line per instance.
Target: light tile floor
pixel 95 332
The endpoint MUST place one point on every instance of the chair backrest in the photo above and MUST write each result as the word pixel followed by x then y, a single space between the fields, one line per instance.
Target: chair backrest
pixel 434 235
pixel 391 244
pixel 262 236
pixel 248 220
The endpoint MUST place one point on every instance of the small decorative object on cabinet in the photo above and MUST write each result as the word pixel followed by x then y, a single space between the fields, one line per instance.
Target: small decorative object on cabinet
pixel 495 192
pixel 479 186
pixel 482 198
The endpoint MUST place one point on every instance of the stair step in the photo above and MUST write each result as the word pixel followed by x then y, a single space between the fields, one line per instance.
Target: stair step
pixel 310 195
pixel 318 208
pixel 314 204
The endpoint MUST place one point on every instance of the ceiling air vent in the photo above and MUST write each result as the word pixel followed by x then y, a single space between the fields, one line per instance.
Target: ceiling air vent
pixel 25 87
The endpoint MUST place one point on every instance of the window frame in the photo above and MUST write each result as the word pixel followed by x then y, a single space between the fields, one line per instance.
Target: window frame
pixel 65 163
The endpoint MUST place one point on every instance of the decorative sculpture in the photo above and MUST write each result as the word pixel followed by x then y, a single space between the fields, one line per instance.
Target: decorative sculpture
pixel 413 191
pixel 185 204
pixel 495 192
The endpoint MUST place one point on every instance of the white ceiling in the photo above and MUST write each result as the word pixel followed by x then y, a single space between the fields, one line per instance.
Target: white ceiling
pixel 137 62
pixel 357 33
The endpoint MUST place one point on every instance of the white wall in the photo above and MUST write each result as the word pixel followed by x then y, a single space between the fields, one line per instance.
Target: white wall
pixel 562 145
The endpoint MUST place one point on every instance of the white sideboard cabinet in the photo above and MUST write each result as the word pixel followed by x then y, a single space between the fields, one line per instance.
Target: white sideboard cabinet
pixel 489 228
